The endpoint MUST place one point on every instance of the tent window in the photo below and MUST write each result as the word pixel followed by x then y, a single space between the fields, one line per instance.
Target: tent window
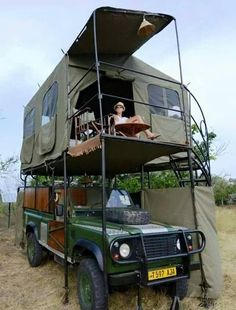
pixel 49 104
pixel 29 123
pixel 161 99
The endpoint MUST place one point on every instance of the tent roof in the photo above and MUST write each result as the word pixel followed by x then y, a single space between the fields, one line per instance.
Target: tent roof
pixel 115 27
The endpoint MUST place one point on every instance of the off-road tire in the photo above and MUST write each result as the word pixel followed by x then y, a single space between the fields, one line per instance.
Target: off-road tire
pixel 131 217
pixel 179 288
pixel 34 250
pixel 91 286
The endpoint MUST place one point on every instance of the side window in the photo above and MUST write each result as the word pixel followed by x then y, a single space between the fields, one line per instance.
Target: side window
pixel 29 124
pixel 163 99
pixel 50 104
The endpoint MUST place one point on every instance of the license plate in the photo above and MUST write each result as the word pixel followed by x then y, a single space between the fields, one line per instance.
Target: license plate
pixel 161 273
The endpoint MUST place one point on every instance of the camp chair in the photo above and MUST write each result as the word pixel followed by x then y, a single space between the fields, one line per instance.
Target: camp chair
pixel 84 125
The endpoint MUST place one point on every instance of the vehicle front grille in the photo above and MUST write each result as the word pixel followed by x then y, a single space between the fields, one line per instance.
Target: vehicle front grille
pixel 158 246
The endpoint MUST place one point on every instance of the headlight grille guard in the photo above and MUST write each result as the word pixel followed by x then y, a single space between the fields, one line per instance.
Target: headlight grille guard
pixel 139 246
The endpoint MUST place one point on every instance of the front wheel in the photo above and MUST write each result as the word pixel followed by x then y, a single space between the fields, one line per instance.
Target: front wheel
pixel 34 250
pixel 91 286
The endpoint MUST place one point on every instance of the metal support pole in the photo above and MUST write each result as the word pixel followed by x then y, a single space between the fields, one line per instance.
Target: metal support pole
pixel 142 177
pixel 22 243
pixel 9 214
pixel 139 300
pixel 176 304
pixel 66 296
pixel 97 65
pixel 149 180
pixel 52 204
pixel 181 80
pixel 104 201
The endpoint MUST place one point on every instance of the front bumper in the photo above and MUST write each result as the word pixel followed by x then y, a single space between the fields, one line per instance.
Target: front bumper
pixel 159 250
pixel 138 277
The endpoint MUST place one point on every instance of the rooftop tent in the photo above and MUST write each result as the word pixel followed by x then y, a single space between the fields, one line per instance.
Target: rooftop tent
pixel 48 118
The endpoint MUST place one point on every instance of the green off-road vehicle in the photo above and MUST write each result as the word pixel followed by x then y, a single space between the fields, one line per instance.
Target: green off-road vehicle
pixel 138 251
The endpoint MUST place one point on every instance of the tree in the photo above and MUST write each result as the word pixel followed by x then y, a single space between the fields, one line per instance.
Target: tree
pixel 222 189
pixel 203 147
pixel 163 179
pixel 8 164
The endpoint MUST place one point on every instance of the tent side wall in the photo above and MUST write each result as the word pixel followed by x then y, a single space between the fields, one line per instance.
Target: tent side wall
pixel 46 140
pixel 174 206
pixel 170 126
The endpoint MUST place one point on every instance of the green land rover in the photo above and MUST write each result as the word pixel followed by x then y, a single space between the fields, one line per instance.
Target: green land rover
pixel 137 250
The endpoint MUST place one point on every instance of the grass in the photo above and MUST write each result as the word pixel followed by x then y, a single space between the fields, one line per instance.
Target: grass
pixel 23 287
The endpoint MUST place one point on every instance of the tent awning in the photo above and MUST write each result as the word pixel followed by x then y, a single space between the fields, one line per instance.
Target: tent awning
pixel 116 31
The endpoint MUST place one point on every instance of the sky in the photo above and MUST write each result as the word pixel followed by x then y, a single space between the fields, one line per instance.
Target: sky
pixel 32 34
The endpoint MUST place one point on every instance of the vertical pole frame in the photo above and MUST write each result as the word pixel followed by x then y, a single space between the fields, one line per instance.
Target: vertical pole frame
pixel 66 278
pixel 9 214
pixel 103 159
pixel 182 84
pixel 66 296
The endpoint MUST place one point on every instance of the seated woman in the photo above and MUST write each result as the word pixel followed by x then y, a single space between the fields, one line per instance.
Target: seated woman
pixel 119 119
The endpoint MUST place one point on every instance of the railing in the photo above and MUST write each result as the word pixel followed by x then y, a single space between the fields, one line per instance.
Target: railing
pixel 200 148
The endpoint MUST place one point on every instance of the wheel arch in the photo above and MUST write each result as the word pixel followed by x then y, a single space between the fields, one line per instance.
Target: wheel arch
pixel 31 227
pixel 90 248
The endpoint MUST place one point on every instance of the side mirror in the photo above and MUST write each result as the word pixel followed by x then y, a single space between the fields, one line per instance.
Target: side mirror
pixel 59 210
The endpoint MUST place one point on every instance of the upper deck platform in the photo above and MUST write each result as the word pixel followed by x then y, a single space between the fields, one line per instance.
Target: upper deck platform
pixel 122 155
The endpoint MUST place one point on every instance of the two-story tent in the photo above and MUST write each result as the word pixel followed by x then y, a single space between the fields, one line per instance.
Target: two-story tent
pixel 68 128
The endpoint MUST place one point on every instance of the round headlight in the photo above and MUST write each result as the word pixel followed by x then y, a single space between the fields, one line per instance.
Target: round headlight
pixel 178 244
pixel 124 250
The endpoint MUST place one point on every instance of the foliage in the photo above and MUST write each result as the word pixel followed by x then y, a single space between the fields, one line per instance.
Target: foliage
pixel 7 164
pixel 40 180
pixel 222 189
pixel 130 183
pixel 206 146
pixel 162 179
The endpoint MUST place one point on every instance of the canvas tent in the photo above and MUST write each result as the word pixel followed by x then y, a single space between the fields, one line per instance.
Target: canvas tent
pixel 48 121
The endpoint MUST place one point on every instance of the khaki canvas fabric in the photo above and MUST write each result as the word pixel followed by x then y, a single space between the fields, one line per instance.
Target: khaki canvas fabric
pixel 124 24
pixel 52 139
pixel 174 206
pixel 27 150
pixel 205 212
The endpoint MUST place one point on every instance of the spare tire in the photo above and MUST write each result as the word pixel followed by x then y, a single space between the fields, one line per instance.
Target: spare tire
pixel 128 216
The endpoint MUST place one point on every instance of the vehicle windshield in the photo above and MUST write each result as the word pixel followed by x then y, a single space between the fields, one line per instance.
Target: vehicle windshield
pixel 119 198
